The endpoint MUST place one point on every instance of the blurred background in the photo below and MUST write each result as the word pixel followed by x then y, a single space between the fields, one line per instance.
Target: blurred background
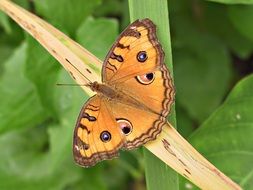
pixel 212 47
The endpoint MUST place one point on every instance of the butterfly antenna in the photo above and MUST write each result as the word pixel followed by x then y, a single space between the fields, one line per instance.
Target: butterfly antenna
pixel 79 72
pixel 89 85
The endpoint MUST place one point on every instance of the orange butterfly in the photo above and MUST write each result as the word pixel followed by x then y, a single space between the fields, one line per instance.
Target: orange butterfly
pixel 132 101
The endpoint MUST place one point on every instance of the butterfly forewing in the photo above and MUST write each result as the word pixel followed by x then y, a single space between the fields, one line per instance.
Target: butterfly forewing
pixel 136 51
pixel 135 65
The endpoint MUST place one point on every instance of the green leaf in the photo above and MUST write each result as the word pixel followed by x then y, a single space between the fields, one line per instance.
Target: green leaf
pixel 38 156
pixel 42 69
pixel 186 125
pixel 20 105
pixel 41 156
pixel 217 15
pixel 4 22
pixel 158 12
pixel 226 138
pixel 202 69
pixel 25 163
pixel 24 3
pixel 242 16
pixel 115 9
pixel 66 14
pixel 69 101
pixel 5 51
pixel 100 31
pixel 233 1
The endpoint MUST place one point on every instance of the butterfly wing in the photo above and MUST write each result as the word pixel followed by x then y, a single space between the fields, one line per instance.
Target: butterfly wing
pixel 156 93
pixel 96 135
pixel 135 65
pixel 103 127
pixel 136 124
pixel 127 58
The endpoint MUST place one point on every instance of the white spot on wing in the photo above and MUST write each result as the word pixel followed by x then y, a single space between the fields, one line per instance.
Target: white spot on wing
pixel 77 147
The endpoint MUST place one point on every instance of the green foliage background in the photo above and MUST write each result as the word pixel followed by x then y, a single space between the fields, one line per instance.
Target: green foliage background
pixel 212 46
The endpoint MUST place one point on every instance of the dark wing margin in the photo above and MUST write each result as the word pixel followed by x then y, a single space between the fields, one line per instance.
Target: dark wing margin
pixel 131 31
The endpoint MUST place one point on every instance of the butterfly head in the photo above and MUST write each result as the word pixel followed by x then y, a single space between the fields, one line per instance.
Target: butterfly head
pixel 94 86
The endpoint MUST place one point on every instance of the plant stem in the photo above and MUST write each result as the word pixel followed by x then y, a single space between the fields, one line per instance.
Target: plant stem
pixel 157 11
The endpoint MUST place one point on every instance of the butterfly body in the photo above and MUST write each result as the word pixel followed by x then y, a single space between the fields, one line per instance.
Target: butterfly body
pixel 105 90
pixel 132 102
pixel 114 95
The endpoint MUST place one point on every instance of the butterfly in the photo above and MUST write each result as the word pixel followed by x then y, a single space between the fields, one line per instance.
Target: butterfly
pixel 132 102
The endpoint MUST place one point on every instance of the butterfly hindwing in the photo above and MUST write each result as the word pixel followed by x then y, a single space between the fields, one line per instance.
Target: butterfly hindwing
pixel 138 124
pixel 103 127
pixel 96 136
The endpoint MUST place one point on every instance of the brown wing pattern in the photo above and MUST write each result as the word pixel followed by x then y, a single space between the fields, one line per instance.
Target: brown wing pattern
pixel 147 81
pixel 158 94
pixel 135 69
pixel 96 135
pixel 142 124
pixel 121 61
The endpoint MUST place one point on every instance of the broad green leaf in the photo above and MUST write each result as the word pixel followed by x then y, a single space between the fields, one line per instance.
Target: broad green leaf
pixel 69 101
pixel 100 31
pixel 42 69
pixel 112 7
pixel 66 14
pixel 13 38
pixel 20 105
pixel 218 22
pixel 4 22
pixel 242 16
pixel 186 125
pixel 24 3
pixel 233 1
pixel 5 52
pixel 115 9
pixel 38 156
pixel 41 156
pixel 25 163
pixel 226 138
pixel 41 65
pixel 202 69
